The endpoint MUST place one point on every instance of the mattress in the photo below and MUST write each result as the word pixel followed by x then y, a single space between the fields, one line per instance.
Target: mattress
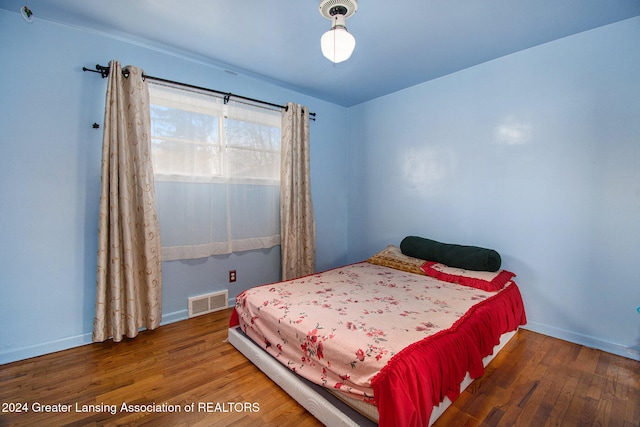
pixel 368 331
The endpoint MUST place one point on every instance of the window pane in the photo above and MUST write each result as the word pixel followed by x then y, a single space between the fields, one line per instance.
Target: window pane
pixel 252 135
pixel 180 209
pixel 253 164
pixel 253 150
pixel 254 209
pixel 185 142
pixel 189 159
pixel 183 125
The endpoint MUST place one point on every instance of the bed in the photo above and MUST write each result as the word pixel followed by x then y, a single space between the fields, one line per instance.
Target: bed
pixel 391 341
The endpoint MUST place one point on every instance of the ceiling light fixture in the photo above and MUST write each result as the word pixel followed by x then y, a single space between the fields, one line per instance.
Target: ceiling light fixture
pixel 337 44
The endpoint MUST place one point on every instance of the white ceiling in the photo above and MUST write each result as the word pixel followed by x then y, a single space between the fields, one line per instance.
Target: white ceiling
pixel 398 43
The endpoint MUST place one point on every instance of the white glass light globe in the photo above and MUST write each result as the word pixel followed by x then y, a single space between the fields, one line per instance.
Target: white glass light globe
pixel 337 44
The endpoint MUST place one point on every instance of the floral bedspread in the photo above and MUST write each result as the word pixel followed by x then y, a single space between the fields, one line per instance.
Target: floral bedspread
pixel 339 328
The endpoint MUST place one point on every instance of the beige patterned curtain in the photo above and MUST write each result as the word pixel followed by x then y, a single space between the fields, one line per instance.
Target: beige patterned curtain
pixel 297 223
pixel 129 277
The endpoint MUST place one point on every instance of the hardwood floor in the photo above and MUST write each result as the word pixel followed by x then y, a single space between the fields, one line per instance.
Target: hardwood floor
pixel 188 365
pixel 542 381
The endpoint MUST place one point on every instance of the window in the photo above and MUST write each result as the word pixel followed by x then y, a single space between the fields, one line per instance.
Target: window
pixel 217 173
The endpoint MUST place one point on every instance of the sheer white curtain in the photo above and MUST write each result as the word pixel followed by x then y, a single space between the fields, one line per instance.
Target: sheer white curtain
pixel 129 276
pixel 217 169
pixel 297 221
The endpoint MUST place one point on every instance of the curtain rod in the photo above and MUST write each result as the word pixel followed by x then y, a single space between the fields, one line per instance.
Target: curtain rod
pixel 104 72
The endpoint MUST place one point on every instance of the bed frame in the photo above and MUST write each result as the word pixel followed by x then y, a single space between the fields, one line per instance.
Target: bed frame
pixel 316 399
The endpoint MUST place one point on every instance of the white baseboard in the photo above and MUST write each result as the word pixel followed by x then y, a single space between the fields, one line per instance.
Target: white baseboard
pixel 176 316
pixel 585 340
pixel 13 355
pixel 35 350
pixel 27 352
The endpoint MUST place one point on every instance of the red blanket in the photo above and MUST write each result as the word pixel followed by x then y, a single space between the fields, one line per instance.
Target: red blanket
pixel 396 339
pixel 445 357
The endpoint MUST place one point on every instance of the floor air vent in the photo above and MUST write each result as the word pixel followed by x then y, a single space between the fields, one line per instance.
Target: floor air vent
pixel 203 304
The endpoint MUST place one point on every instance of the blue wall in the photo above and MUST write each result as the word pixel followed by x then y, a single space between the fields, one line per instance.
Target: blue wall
pixel 50 181
pixel 536 155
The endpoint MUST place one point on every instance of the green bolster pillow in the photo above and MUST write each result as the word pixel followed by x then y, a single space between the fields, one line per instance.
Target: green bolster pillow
pixel 465 257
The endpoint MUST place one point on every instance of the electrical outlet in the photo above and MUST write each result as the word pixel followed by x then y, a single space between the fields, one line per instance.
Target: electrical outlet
pixel 232 276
